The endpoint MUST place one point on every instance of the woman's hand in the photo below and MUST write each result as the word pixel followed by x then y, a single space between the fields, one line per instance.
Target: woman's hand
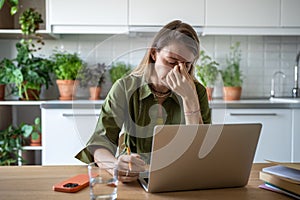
pixel 181 82
pixel 129 167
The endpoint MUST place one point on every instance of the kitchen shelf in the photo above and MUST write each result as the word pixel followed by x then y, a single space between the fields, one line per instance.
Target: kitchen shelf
pixel 32 148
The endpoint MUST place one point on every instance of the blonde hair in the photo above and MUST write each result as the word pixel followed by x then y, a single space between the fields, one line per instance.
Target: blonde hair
pixel 175 31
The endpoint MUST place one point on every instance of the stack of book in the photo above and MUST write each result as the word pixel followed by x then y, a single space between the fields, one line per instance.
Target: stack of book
pixel 283 178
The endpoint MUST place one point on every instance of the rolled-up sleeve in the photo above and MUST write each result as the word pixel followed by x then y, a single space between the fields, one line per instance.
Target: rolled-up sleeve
pixel 109 124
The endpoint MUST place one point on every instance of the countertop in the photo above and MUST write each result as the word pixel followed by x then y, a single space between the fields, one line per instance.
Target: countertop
pixel 261 103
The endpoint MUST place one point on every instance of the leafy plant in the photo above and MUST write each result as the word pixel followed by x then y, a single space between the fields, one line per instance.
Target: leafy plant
pixel 31 72
pixel 32 130
pixel 207 70
pixel 13 5
pixel 30 21
pixel 66 65
pixel 10 144
pixel 118 70
pixel 7 68
pixel 232 75
pixel 92 76
pixel 13 138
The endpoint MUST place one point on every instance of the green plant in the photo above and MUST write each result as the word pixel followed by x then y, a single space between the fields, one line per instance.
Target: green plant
pixel 13 5
pixel 232 75
pixel 66 65
pixel 7 68
pixel 207 70
pixel 92 76
pixel 31 72
pixel 30 21
pixel 13 138
pixel 10 143
pixel 32 130
pixel 118 70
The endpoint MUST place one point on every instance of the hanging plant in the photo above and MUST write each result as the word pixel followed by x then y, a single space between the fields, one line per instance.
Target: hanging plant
pixel 13 5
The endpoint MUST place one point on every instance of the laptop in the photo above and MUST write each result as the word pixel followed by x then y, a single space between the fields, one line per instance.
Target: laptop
pixel 193 157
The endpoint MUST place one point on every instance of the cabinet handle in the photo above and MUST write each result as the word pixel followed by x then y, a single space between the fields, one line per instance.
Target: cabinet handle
pixel 253 114
pixel 79 115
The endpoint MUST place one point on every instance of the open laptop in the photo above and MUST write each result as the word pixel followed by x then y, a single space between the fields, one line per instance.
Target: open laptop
pixel 191 157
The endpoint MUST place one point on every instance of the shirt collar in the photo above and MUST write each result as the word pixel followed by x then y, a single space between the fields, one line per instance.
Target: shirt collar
pixel 145 92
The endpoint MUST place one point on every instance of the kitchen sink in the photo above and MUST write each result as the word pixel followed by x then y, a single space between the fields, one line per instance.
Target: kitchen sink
pixel 285 99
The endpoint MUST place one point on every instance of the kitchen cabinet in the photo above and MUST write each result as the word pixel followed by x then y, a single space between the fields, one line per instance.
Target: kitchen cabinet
pixel 92 16
pixel 290 14
pixel 296 136
pixel 276 136
pixel 65 132
pixel 158 13
pixel 243 13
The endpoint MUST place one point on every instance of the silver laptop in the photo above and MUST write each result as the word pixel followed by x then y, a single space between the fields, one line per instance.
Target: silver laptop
pixel 191 157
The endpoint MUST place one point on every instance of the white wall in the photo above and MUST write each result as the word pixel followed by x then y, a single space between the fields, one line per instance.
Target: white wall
pixel 261 55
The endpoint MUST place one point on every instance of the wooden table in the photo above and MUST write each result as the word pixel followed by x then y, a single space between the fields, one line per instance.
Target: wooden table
pixel 35 183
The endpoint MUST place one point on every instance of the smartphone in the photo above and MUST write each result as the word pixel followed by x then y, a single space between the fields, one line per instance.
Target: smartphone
pixel 72 184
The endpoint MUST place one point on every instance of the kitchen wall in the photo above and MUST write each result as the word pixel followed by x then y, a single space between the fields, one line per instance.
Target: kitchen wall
pixel 261 56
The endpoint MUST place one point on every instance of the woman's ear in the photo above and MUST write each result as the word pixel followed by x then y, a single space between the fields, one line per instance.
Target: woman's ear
pixel 153 55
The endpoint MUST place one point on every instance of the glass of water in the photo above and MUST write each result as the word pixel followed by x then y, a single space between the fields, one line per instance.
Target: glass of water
pixel 103 180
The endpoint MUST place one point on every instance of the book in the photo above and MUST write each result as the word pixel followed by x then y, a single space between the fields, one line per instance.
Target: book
pixel 287 173
pixel 279 182
pixel 272 188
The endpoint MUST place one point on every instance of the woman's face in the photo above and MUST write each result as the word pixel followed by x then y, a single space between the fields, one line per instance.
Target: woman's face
pixel 169 57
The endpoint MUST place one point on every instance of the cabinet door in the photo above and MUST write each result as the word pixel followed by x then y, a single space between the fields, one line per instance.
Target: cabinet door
pixel 290 13
pixel 65 133
pixel 296 135
pixel 275 139
pixel 159 13
pixel 90 12
pixel 243 13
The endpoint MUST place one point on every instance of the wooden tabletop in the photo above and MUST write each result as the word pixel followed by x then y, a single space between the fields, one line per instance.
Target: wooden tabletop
pixel 35 183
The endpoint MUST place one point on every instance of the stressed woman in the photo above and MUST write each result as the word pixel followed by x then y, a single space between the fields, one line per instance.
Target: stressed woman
pixel 161 90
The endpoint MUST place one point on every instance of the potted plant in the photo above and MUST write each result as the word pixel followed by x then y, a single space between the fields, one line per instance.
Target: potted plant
pixel 33 132
pixel 118 70
pixel 93 78
pixel 207 72
pixel 13 138
pixel 66 68
pixel 35 72
pixel 232 74
pixel 27 73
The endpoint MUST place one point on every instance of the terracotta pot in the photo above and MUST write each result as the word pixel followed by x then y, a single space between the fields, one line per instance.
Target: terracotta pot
pixel 37 142
pixel 95 93
pixel 33 94
pixel 209 91
pixel 232 93
pixel 2 92
pixel 67 89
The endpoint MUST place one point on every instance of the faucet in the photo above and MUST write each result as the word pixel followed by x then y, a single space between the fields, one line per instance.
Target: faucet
pixel 273 82
pixel 295 91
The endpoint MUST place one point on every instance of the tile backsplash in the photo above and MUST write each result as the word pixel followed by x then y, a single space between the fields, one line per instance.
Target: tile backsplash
pixel 262 56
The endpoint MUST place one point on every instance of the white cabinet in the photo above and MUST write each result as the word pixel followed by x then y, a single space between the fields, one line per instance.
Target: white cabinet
pixel 158 13
pixel 290 13
pixel 91 16
pixel 296 136
pixel 65 133
pixel 243 13
pixel 275 140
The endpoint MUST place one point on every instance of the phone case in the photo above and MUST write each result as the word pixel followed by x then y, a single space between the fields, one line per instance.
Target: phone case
pixel 72 184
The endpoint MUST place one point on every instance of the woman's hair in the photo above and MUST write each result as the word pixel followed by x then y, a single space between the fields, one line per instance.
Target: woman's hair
pixel 175 31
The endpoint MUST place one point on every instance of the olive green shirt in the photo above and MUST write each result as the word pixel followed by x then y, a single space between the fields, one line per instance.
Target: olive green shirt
pixel 130 108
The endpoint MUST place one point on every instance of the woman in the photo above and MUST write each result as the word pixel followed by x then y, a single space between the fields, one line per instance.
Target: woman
pixel 161 90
